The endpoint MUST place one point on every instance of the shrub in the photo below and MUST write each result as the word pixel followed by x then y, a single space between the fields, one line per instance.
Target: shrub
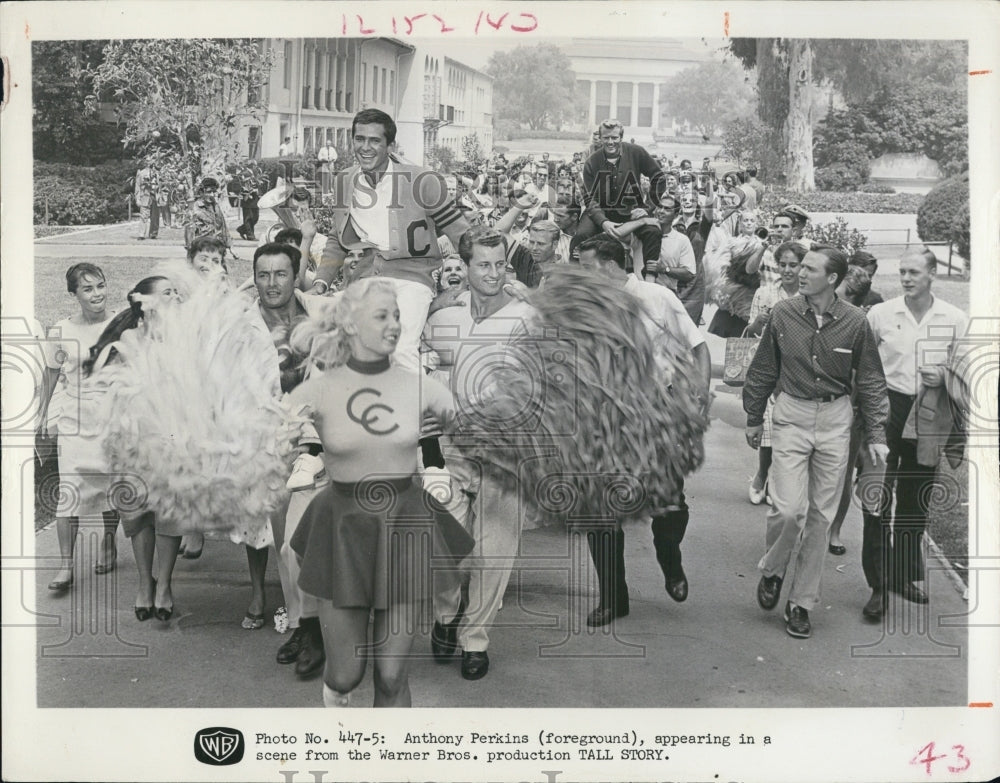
pixel 838 177
pixel 838 234
pixel 942 207
pixel 842 165
pixel 747 141
pixel 83 195
pixel 831 201
pixel 960 234
pixel 876 187
pixel 513 134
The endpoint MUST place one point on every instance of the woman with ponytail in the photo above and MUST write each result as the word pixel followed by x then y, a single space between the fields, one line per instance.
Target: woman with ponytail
pixel 147 533
pixel 367 541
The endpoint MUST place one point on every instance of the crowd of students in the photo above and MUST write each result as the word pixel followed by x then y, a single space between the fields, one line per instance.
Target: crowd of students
pixel 370 354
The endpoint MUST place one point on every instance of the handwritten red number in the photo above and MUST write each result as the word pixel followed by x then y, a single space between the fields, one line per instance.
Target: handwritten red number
pixel 961 755
pixel 478 20
pixel 495 25
pixel 361 25
pixel 444 27
pixel 526 29
pixel 928 759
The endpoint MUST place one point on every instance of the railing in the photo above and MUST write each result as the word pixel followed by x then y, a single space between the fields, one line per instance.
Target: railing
pixel 950 263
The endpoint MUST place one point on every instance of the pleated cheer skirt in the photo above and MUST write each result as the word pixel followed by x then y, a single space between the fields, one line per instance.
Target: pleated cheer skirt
pixel 376 544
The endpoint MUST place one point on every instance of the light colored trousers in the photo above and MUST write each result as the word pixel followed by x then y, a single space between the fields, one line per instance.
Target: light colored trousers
pixel 413 300
pixel 297 603
pixel 810 443
pixel 491 514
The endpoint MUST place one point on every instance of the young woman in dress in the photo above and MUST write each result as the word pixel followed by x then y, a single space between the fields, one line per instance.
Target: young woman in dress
pixel 355 540
pixel 83 488
pixel 147 533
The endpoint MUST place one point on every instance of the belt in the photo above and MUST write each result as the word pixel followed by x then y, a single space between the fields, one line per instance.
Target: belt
pixel 827 398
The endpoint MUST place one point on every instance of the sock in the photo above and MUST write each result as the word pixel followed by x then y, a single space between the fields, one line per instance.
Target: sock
pixel 332 698
pixel 430 448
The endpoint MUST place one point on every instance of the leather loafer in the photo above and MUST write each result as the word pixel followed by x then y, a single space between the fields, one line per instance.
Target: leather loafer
pixel 311 658
pixel 768 592
pixel 444 641
pixel 911 592
pixel 797 622
pixel 837 549
pixel 290 650
pixel 603 615
pixel 677 586
pixel 475 665
pixel 875 607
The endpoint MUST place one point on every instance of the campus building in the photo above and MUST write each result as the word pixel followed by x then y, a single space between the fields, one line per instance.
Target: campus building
pixel 621 78
pixel 317 85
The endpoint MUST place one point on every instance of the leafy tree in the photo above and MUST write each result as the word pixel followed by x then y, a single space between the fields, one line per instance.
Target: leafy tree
pixel 472 152
pixel 441 159
pixel 708 95
pixel 183 101
pixel 60 82
pixel 789 69
pixel 534 85
pixel 745 141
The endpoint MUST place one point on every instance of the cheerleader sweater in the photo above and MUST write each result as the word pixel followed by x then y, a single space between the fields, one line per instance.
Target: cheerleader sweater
pixel 368 416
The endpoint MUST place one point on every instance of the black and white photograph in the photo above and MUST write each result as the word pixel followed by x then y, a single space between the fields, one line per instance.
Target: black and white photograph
pixel 618 380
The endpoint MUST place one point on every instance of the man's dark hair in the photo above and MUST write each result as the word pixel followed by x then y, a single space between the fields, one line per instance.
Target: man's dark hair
pixel 209 183
pixel 836 261
pixel 201 244
pixel 864 259
pixel 751 171
pixel 288 236
pixel 606 249
pixel 375 117
pixel 486 236
pixel 789 247
pixel 279 249
pixel 859 284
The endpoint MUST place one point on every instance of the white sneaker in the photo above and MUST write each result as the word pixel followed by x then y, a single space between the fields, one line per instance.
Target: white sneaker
pixel 306 470
pixel 437 484
pixel 757 495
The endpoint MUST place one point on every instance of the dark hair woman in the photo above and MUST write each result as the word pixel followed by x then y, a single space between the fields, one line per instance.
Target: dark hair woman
pixel 80 491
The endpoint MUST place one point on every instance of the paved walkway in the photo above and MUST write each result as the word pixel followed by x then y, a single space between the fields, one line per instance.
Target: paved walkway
pixel 719 649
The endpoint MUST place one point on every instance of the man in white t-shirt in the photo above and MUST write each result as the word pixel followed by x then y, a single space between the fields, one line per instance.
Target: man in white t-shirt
pixel 664 312
pixel 468 339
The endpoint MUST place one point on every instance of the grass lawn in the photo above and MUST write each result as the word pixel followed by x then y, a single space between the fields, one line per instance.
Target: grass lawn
pixel 948 521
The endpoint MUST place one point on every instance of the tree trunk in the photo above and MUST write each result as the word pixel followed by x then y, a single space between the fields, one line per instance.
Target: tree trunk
pixel 798 127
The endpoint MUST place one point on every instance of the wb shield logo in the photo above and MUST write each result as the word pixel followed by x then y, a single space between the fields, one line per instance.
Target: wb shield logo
pixel 219 746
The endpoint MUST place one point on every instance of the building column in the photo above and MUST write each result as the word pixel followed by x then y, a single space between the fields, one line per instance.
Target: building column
pixel 324 76
pixel 634 119
pixel 592 108
pixel 307 65
pixel 656 106
pixel 613 108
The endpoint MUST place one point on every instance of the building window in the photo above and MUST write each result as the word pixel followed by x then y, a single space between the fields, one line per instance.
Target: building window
pixel 645 113
pixel 374 83
pixel 385 84
pixel 287 77
pixel 392 88
pixel 253 142
pixel 624 103
pixel 602 109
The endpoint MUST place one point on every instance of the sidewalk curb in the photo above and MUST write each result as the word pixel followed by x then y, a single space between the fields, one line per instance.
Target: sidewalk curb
pixel 956 580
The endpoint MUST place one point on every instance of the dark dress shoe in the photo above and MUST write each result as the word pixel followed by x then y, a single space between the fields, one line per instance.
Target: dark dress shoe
pixel 475 665
pixel 311 658
pixel 910 592
pixel 444 641
pixel 603 615
pixel 797 622
pixel 289 651
pixel 768 592
pixel 163 613
pixel 837 549
pixel 875 607
pixel 677 585
pixel 143 613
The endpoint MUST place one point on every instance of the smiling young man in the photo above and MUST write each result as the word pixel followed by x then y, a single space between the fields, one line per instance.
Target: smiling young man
pixel 815 350
pixel 612 180
pixel 916 335
pixel 469 340
pixel 401 210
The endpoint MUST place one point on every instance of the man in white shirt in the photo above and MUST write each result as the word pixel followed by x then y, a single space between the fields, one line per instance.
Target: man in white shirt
pixel 469 339
pixel 916 335
pixel 663 313
pixel 285 148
